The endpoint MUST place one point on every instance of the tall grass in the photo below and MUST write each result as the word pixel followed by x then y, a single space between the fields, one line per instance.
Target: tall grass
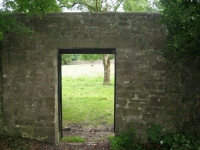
pixel 87 101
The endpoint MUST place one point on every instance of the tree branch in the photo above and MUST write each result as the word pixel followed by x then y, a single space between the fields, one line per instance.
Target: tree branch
pixel 115 8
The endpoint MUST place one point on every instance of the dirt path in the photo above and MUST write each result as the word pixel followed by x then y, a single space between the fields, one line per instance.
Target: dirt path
pixel 89 133
pixel 27 144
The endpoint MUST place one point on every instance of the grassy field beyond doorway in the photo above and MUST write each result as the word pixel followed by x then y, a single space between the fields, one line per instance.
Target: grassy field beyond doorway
pixel 85 99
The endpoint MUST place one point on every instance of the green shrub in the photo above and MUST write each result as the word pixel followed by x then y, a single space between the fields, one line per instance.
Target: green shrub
pixel 185 142
pixel 68 58
pixel 154 133
pixel 158 140
pixel 123 141
pixel 74 139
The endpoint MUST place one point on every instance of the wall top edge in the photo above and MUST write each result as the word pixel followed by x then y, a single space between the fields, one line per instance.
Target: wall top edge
pixel 65 14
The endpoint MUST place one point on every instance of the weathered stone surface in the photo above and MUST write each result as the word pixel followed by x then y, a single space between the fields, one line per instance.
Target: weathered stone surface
pixel 146 91
pixel 1 92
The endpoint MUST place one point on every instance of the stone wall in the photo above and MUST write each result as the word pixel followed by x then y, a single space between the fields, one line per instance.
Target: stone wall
pixel 30 73
pixel 1 92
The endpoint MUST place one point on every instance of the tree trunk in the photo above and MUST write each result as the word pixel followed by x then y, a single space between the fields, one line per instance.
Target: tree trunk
pixel 106 65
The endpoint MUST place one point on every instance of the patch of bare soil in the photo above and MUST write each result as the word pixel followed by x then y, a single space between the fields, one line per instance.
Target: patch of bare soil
pixel 96 139
pixel 27 144
pixel 96 136
pixel 103 145
pixel 90 133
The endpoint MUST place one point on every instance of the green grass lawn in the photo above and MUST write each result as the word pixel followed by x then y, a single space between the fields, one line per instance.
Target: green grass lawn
pixel 87 101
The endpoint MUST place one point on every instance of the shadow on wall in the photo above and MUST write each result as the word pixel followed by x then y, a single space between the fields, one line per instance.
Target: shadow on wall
pixel 183 108
pixel 1 96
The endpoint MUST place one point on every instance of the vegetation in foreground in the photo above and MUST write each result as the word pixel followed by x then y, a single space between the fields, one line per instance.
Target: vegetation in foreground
pixel 74 139
pixel 157 140
pixel 87 101
pixel 19 143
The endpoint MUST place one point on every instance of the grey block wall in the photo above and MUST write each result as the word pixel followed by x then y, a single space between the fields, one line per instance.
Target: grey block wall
pixel 30 76
pixel 1 92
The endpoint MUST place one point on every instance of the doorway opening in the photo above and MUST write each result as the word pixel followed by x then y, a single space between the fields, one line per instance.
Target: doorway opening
pixel 86 94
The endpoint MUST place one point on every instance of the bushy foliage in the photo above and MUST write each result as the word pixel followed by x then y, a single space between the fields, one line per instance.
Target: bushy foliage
pixel 67 58
pixel 136 5
pixel 8 23
pixel 183 30
pixel 30 7
pixel 154 133
pixel 125 140
pixel 157 140
pixel 92 5
pixel 141 6
pixel 91 57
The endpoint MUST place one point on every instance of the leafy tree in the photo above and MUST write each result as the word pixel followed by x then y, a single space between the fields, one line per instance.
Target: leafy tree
pixel 29 7
pixel 90 57
pixel 32 7
pixel 67 58
pixel 8 23
pixel 183 29
pixel 141 6
pixel 92 5
pixel 136 5
pixel 156 5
